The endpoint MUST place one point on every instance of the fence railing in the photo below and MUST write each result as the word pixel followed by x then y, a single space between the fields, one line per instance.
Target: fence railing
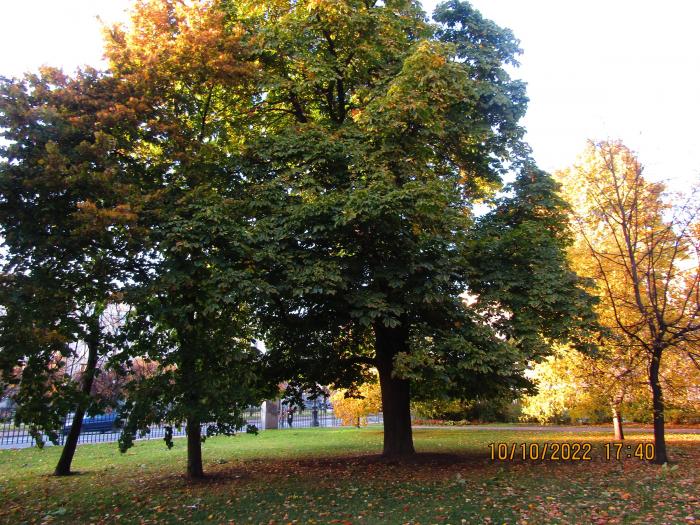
pixel 306 418
pixel 103 428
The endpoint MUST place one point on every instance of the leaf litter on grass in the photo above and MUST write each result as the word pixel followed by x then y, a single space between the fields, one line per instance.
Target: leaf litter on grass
pixel 362 488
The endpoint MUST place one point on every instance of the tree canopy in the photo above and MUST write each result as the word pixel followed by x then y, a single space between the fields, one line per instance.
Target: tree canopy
pixel 190 307
pixel 378 143
pixel 307 172
pixel 70 235
pixel 641 249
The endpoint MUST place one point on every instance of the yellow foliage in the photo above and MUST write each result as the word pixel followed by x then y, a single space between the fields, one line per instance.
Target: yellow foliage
pixel 354 410
pixel 190 42
pixel 571 384
pixel 631 243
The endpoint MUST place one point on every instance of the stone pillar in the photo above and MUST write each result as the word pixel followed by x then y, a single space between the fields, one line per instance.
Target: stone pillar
pixel 269 414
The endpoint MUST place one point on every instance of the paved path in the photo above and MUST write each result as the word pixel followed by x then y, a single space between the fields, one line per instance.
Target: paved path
pixel 561 428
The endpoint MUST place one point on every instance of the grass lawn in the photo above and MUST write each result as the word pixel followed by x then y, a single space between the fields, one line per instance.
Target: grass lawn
pixel 336 476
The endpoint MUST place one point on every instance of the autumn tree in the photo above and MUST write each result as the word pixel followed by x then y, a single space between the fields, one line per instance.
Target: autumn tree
pixel 353 406
pixel 68 238
pixel 314 165
pixel 580 386
pixel 189 314
pixel 111 385
pixel 639 247
pixel 378 132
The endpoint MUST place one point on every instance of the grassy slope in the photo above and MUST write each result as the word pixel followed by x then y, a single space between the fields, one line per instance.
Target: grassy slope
pixel 335 476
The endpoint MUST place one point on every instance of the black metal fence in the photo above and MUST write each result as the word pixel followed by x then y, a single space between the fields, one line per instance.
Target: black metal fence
pixel 102 428
pixel 306 418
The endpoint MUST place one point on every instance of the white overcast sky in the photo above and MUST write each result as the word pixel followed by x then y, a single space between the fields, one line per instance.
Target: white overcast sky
pixel 627 69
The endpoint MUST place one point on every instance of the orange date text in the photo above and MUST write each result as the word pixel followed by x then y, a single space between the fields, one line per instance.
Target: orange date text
pixel 540 451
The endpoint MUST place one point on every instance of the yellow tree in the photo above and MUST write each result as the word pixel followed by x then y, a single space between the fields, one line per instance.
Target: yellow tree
pixel 581 386
pixel 640 248
pixel 680 380
pixel 556 386
pixel 353 406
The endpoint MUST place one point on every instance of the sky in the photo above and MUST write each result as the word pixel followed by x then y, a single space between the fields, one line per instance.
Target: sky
pixel 595 69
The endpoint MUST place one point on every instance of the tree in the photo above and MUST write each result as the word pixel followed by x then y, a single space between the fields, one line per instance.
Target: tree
pixel 377 133
pixel 69 237
pixel 641 251
pixel 189 70
pixel 111 385
pixel 314 165
pixel 353 407
pixel 594 387
pixel 572 385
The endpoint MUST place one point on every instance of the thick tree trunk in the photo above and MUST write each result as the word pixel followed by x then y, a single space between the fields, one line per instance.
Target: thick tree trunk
pixel 396 395
pixel 66 459
pixel 658 406
pixel 617 423
pixel 194 449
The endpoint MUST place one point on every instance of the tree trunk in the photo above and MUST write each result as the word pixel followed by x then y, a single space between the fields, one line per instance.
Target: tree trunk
pixel 190 382
pixel 396 395
pixel 66 459
pixel 658 405
pixel 617 423
pixel 194 449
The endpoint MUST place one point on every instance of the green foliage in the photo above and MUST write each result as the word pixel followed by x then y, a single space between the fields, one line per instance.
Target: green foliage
pixel 499 410
pixel 68 234
pixel 520 272
pixel 377 153
pixel 305 172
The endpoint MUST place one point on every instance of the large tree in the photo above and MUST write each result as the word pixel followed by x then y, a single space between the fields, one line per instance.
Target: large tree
pixel 377 133
pixel 190 314
pixel 69 237
pixel 642 251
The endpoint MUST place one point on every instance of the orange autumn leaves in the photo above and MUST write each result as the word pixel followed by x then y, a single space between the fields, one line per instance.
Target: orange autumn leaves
pixel 179 40
pixel 186 67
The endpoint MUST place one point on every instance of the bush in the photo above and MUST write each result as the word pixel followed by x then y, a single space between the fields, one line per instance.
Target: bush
pixel 499 410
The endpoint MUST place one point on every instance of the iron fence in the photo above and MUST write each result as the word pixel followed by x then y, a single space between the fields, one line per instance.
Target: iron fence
pixel 306 418
pixel 101 428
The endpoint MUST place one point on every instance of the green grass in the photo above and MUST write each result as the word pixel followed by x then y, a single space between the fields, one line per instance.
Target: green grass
pixel 336 476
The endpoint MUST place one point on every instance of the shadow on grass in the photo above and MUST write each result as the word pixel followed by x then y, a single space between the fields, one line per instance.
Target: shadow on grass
pixel 327 469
